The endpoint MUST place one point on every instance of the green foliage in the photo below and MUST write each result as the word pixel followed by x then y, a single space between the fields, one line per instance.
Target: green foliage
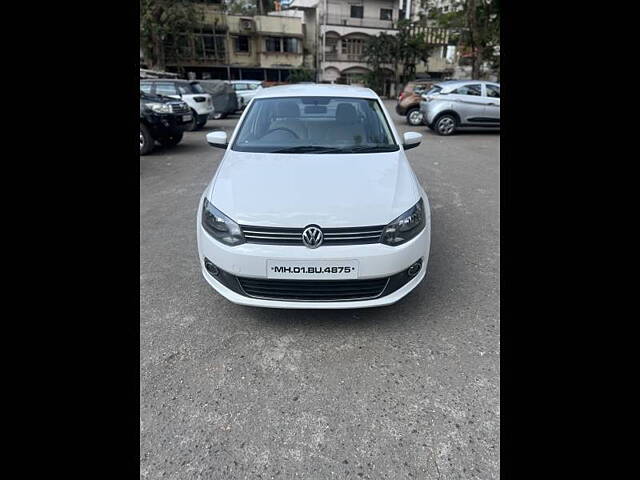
pixel 301 75
pixel 403 51
pixel 162 20
pixel 249 7
pixel 378 51
pixel 478 28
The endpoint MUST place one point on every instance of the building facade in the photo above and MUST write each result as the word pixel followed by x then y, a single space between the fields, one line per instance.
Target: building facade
pixel 337 31
pixel 236 47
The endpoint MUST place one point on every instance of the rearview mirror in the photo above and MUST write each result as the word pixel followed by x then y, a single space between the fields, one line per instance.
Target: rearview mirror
pixel 411 140
pixel 217 139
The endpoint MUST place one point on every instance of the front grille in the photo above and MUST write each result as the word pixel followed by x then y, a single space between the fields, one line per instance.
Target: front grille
pixel 313 290
pixel 182 108
pixel 293 236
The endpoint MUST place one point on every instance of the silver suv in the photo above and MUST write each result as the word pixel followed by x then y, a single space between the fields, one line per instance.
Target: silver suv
pixel 461 103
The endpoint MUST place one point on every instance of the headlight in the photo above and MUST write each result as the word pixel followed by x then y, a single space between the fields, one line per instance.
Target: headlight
pixel 159 107
pixel 219 226
pixel 405 227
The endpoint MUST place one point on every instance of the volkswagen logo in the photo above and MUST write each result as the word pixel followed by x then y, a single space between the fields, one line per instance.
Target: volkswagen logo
pixel 312 236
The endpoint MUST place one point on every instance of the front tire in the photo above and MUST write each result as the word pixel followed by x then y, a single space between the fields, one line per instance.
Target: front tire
pixel 194 122
pixel 414 117
pixel 446 125
pixel 171 141
pixel 201 123
pixel 146 140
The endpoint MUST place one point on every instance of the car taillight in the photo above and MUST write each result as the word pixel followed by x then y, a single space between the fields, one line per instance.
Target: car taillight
pixel 400 96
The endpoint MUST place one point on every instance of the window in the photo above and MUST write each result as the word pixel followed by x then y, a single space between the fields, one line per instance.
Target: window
pixel 469 90
pixel 214 46
pixel 419 89
pixel 196 88
pixel 353 47
pixel 291 45
pixel 272 44
pixel 493 91
pixel 184 89
pixel 434 90
pixel 286 44
pixel 242 44
pixel 315 124
pixel 386 14
pixel 357 11
pixel 166 89
pixel 145 87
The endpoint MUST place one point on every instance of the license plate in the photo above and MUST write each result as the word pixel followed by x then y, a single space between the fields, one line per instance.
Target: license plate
pixel 186 118
pixel 312 269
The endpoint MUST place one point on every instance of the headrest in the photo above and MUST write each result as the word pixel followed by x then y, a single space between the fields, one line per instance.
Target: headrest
pixel 288 108
pixel 346 113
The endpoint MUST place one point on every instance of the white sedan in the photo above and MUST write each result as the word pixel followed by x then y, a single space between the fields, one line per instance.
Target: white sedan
pixel 314 204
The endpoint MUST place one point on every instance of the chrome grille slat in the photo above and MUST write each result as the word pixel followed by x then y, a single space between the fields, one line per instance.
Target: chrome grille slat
pixel 332 236
pixel 272 238
pixel 253 232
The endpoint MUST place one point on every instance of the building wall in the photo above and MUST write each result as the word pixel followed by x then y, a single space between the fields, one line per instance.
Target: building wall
pixel 256 29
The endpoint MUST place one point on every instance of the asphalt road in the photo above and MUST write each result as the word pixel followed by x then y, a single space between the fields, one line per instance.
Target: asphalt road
pixel 405 391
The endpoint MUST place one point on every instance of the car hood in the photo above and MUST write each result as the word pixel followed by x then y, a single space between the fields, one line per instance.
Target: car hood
pixel 330 190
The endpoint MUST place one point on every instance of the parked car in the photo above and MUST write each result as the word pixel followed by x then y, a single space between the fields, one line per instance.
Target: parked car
pixel 314 204
pixel 189 91
pixel 225 100
pixel 409 101
pixel 162 119
pixel 246 90
pixel 449 106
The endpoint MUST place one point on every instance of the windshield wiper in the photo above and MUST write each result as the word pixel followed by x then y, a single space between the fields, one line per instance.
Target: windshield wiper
pixel 308 149
pixel 370 148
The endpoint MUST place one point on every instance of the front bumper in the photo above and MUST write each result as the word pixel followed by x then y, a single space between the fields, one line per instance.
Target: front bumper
pixel 374 261
pixel 242 299
pixel 428 114
pixel 165 125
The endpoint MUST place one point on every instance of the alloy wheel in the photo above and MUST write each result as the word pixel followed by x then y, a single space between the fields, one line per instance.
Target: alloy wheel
pixel 415 117
pixel 446 125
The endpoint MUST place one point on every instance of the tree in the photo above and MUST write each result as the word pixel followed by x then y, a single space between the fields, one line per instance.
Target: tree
pixel 479 21
pixel 377 51
pixel 412 48
pixel 403 51
pixel 250 7
pixel 301 75
pixel 162 21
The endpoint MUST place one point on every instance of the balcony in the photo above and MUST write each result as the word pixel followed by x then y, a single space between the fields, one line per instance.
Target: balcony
pixel 343 57
pixel 366 22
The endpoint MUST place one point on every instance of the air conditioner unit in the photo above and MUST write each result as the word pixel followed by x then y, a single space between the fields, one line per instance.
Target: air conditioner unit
pixel 246 24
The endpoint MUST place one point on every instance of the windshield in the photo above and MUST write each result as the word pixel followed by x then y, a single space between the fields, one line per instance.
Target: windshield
pixel 197 88
pixel 434 90
pixel 315 125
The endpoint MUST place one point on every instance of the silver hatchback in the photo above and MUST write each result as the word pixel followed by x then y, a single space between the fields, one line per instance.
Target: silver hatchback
pixel 451 105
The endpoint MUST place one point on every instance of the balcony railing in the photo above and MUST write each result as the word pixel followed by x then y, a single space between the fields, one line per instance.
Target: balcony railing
pixel 343 57
pixel 366 22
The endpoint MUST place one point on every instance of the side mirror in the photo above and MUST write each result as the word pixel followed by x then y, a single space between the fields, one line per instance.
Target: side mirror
pixel 217 139
pixel 411 140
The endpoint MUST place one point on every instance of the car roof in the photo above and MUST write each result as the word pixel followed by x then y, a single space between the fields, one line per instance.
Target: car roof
pixel 457 83
pixel 244 81
pixel 176 80
pixel 316 90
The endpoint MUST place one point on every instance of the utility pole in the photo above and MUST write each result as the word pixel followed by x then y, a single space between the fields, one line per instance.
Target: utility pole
pixel 324 36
